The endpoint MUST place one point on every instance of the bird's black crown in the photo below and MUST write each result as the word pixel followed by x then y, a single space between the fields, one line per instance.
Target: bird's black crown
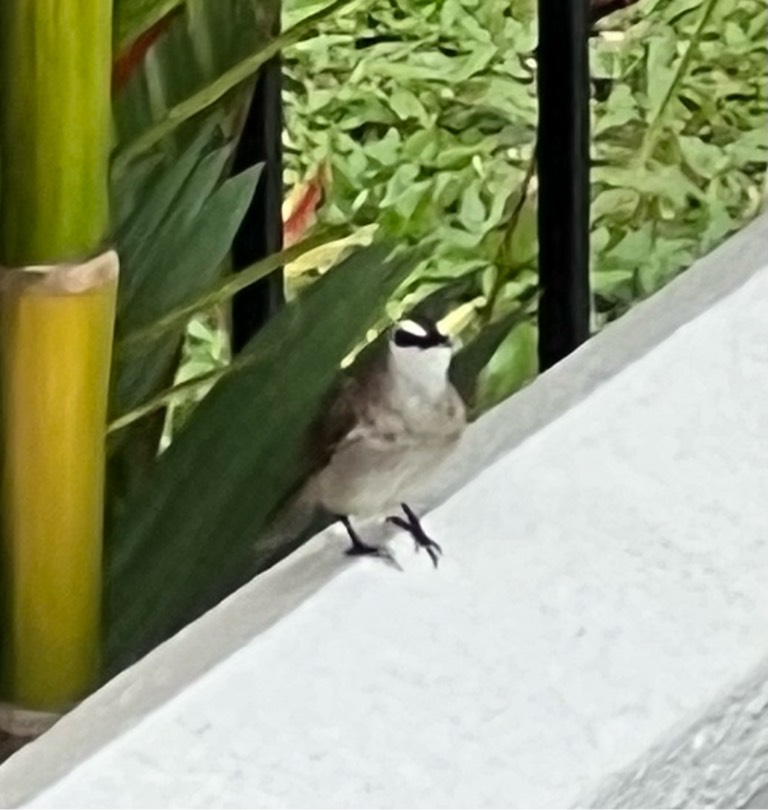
pixel 419 332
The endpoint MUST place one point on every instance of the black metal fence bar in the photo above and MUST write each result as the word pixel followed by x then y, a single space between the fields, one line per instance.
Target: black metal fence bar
pixel 261 232
pixel 563 171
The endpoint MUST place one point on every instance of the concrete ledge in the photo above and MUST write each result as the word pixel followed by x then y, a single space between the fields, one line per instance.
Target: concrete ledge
pixel 595 637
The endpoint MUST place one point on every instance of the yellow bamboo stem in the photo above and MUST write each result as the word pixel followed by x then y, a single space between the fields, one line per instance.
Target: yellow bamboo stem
pixel 55 347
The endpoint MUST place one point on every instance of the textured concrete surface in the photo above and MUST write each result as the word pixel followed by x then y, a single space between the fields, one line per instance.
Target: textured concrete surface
pixel 596 635
pixel 759 801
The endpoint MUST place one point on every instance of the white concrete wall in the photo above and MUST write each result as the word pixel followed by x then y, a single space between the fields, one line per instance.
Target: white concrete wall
pixel 595 636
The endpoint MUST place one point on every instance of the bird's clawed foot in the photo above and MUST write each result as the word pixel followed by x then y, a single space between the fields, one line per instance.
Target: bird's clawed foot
pixel 361 549
pixel 413 526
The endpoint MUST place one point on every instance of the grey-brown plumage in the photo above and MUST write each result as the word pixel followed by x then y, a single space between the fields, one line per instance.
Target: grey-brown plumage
pixel 386 429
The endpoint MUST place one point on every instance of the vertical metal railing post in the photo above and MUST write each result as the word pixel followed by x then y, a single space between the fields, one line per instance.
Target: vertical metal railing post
pixel 261 233
pixel 563 171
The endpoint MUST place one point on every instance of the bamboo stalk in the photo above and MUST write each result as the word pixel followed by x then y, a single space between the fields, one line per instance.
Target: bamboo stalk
pixel 54 365
pixel 56 323
pixel 55 73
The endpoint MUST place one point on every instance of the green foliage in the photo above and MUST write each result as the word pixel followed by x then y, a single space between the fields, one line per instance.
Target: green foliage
pixel 426 117
pixel 134 17
pixel 172 247
pixel 426 112
pixel 222 81
pixel 679 141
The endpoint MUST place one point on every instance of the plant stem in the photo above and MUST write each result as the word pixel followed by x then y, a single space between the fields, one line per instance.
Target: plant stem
pixel 224 291
pixel 56 325
pixel 55 64
pixel 165 397
pixel 514 219
pixel 655 128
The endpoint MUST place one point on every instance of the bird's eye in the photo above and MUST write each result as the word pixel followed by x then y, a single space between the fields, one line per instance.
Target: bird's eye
pixel 403 337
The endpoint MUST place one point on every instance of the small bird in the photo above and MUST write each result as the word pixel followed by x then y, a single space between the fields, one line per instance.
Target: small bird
pixel 388 426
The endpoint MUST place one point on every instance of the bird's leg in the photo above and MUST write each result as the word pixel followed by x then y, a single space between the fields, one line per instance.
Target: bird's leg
pixel 359 548
pixel 414 528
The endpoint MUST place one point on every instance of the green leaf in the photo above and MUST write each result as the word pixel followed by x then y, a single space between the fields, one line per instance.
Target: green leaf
pixel 195 522
pixel 512 366
pixel 148 240
pixel 634 248
pixel 224 289
pixel 220 87
pixel 407 105
pixel 472 211
pixel 619 204
pixel 749 147
pixel 142 370
pixel 706 159
pixel 133 17
pixel 200 250
pixel 470 361
pixel 661 102
pixel 387 149
pixel 400 184
pixel 171 250
pixel 618 110
pixel 667 182
pixel 522 244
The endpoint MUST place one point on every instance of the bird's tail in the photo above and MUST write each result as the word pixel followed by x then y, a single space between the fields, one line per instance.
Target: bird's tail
pixel 293 525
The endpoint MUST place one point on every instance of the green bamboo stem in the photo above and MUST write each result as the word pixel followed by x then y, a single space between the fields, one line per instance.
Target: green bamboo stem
pixel 56 325
pixel 55 65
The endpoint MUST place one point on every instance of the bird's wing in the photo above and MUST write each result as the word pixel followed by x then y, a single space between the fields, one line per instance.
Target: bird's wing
pixel 345 418
pixel 344 413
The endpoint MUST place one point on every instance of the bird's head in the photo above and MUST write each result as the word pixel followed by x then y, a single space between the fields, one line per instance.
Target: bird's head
pixel 420 351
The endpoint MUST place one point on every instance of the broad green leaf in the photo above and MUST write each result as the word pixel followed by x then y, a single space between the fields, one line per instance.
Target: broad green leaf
pixel 513 365
pixel 400 184
pixel 470 361
pixel 204 245
pixel 189 273
pixel 668 182
pixel 619 109
pixel 175 318
pixel 472 213
pixel 193 527
pixel 171 251
pixel 133 190
pixel 618 204
pixel 175 190
pixel 220 87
